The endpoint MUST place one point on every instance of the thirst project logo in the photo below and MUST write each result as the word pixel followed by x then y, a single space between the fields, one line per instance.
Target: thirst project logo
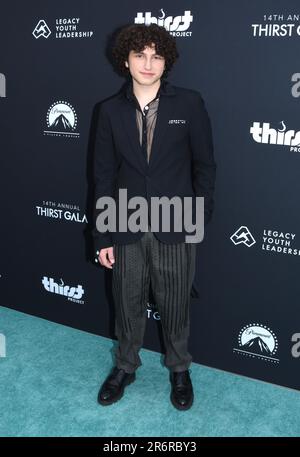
pixel 74 293
pixel 176 25
pixel 282 136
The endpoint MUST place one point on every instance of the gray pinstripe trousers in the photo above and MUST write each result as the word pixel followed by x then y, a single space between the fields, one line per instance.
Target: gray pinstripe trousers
pixel 171 270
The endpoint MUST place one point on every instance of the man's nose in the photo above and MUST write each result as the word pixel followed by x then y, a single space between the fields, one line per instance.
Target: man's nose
pixel 148 63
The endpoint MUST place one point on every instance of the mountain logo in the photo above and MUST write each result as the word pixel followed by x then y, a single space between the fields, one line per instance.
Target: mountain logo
pixel 61 120
pixel 258 341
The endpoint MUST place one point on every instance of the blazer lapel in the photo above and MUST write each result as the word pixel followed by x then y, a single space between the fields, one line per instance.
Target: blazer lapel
pixel 163 115
pixel 128 115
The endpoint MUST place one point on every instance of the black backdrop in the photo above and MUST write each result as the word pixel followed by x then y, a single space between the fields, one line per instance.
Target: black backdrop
pixel 242 56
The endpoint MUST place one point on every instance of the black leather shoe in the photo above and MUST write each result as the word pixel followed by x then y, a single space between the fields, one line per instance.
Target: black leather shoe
pixel 182 394
pixel 113 387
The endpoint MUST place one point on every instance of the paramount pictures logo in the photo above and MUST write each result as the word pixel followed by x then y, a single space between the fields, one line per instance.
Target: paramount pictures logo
pixel 61 120
pixel 275 241
pixel 257 341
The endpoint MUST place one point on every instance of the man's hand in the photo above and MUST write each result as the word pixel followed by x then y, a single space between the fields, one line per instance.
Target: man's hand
pixel 106 257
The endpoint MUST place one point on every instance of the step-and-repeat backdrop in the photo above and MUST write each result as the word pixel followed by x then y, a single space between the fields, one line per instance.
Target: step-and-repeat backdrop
pixel 242 57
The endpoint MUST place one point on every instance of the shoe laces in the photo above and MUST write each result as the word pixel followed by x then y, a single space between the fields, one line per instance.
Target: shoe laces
pixel 116 376
pixel 181 378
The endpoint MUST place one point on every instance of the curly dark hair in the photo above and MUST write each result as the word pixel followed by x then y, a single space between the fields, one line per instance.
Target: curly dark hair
pixel 135 37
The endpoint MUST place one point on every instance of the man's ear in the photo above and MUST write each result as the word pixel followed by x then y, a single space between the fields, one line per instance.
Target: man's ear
pixel 126 64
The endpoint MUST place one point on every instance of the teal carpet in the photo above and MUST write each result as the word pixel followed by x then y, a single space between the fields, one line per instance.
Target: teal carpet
pixel 50 377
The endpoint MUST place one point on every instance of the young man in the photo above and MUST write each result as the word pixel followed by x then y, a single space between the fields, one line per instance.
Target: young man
pixel 153 140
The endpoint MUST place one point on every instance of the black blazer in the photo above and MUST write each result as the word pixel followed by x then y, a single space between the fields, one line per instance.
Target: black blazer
pixel 181 161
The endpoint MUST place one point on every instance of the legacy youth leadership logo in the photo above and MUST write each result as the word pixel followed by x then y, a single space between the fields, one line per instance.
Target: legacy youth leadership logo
pixel 64 27
pixel 257 341
pixel 272 241
pixel 243 236
pixel 41 30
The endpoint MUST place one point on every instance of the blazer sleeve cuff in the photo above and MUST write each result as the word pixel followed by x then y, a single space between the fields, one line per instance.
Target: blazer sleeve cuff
pixel 101 241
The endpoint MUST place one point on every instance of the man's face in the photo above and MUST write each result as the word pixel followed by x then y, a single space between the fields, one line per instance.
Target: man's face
pixel 146 67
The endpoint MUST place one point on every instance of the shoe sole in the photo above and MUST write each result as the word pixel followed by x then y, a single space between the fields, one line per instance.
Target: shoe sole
pixel 118 397
pixel 182 407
